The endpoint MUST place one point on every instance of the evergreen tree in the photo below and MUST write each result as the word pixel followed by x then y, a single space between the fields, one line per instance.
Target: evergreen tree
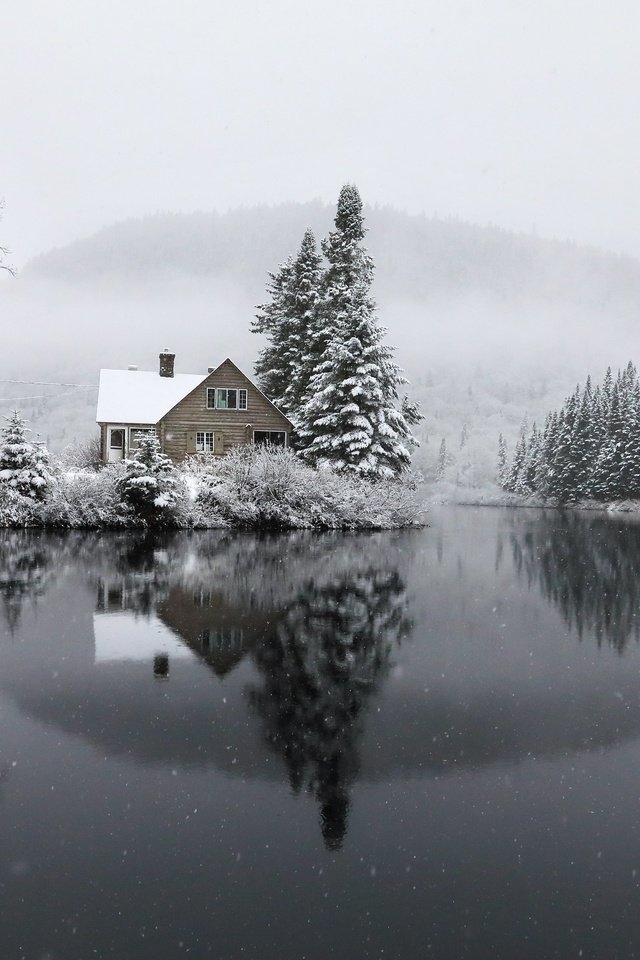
pixel 516 476
pixel 290 321
pixel 24 464
pixel 351 417
pixel 531 464
pixel 271 368
pixel 149 485
pixel 443 460
pixel 502 469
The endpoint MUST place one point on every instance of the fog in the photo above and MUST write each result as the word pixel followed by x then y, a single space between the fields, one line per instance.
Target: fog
pixel 155 164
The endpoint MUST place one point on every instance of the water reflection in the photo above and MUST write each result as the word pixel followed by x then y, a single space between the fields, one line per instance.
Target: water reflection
pixel 320 637
pixel 321 664
pixel 27 563
pixel 587 566
pixel 313 620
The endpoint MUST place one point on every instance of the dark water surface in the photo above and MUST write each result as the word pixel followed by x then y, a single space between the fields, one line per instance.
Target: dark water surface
pixel 395 745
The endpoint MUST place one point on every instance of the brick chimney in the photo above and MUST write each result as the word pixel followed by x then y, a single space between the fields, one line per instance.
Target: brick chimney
pixel 166 363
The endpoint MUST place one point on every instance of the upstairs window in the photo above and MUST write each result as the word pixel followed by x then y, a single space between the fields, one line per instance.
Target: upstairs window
pixel 226 398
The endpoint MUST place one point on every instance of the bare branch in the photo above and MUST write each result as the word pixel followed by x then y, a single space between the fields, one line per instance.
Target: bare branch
pixel 5 252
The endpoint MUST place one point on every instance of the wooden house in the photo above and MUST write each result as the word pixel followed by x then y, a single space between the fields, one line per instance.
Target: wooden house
pixel 190 413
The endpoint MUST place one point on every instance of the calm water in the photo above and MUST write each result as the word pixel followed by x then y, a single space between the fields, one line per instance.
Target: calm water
pixel 396 745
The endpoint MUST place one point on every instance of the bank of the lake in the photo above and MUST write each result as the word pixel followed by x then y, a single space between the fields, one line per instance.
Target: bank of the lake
pixel 252 488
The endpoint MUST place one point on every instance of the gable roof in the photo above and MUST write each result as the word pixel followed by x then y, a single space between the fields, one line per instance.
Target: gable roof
pixel 141 396
pixel 255 387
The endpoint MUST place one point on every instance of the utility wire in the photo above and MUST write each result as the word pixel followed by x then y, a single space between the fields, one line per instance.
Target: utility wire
pixel 50 383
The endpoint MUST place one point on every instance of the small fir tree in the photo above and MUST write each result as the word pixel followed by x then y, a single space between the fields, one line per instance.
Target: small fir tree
pixel 150 483
pixel 443 460
pixel 24 464
pixel 502 470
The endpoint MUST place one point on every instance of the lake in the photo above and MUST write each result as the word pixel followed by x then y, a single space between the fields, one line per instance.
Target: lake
pixel 297 747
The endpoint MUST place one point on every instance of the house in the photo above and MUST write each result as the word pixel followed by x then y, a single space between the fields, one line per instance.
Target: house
pixel 189 412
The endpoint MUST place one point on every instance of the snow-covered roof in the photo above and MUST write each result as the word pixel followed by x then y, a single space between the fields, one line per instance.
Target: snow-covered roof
pixel 141 396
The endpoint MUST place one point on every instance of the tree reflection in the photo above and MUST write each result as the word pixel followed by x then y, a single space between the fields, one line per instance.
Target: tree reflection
pixel 321 664
pixel 588 567
pixel 29 561
pixel 136 575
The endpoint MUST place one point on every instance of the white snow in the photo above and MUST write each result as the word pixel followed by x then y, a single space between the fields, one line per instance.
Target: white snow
pixel 141 396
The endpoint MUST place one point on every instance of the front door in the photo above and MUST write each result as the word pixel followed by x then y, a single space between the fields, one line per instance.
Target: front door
pixel 116 444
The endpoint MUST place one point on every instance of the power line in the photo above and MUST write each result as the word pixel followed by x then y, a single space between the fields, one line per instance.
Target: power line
pixel 50 383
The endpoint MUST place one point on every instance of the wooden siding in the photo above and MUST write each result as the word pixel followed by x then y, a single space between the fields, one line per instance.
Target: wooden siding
pixel 236 426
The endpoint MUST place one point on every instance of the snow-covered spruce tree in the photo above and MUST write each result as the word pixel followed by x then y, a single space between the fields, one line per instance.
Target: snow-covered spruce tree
pixel 501 466
pixel 150 483
pixel 24 464
pixel 353 417
pixel 443 460
pixel 289 320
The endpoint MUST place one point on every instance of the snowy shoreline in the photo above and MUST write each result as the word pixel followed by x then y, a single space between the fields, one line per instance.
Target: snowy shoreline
pixel 473 498
pixel 252 488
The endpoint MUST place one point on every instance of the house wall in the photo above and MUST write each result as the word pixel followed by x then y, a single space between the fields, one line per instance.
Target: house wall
pixel 236 426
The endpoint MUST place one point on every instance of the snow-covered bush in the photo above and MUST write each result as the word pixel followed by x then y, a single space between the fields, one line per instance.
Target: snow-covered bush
pixel 24 465
pixel 255 488
pixel 150 485
pixel 82 454
pixel 16 510
pixel 270 488
pixel 86 498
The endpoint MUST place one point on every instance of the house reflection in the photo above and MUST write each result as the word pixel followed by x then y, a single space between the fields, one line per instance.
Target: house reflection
pixel 317 655
pixel 173 619
pixel 214 627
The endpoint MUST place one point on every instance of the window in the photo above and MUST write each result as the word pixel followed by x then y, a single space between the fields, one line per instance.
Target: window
pixel 277 437
pixel 226 398
pixel 136 434
pixel 204 441
pixel 116 441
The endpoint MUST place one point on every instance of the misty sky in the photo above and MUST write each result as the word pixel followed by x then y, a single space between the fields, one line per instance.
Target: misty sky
pixel 523 113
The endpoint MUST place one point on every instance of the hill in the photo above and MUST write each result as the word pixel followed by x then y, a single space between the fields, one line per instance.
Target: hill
pixel 491 326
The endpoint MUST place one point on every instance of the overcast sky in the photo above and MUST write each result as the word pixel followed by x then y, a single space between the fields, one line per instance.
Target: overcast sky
pixel 524 113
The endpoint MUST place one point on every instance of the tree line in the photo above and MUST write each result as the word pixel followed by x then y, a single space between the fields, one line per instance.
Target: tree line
pixel 325 364
pixel 589 449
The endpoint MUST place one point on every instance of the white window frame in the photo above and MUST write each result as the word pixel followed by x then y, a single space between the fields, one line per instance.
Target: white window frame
pixel 112 427
pixel 284 432
pixel 204 434
pixel 214 393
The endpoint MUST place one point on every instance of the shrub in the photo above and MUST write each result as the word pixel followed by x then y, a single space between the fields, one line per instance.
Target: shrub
pixel 271 488
pixel 150 484
pixel 24 465
pixel 86 499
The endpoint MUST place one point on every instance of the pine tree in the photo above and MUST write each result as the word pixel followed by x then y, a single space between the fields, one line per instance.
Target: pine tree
pixel 351 417
pixel 149 485
pixel 443 460
pixel 290 321
pixel 271 368
pixel 24 464
pixel 514 481
pixel 502 469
